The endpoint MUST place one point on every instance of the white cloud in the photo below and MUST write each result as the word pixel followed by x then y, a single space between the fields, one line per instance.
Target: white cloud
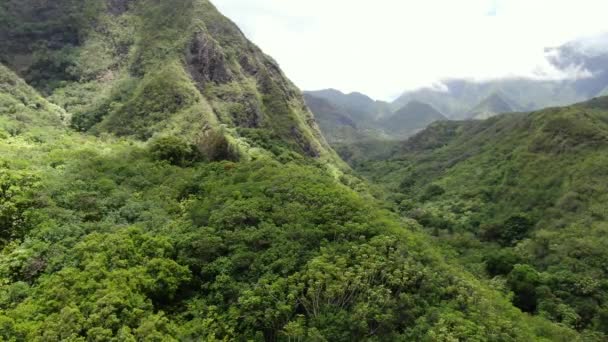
pixel 383 47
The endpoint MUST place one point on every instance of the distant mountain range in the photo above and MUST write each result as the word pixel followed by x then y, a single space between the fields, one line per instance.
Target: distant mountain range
pixel 355 117
pixel 460 98
pixel 346 118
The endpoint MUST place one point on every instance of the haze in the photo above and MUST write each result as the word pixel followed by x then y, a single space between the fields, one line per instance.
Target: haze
pixel 384 47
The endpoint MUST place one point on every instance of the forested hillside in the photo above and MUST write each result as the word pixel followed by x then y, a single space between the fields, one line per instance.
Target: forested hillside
pixel 115 239
pixel 161 180
pixel 148 68
pixel 519 198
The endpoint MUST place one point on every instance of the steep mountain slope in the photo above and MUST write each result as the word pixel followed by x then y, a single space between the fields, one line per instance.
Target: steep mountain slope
pixel 334 122
pixel 22 107
pixel 109 237
pixel 196 75
pixel 493 105
pixel 521 197
pixel 411 118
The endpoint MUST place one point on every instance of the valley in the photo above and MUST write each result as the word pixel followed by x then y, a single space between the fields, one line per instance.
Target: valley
pixel 162 179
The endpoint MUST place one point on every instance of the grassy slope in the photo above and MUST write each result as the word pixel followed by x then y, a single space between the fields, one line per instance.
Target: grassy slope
pixel 549 167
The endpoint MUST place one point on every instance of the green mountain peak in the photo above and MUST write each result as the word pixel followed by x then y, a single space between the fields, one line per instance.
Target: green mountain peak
pixel 154 68
pixel 494 104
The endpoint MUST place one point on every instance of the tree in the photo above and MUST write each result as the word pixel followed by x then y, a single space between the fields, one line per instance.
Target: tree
pixel 16 196
pixel 173 149
pixel 501 262
pixel 431 192
pixel 523 281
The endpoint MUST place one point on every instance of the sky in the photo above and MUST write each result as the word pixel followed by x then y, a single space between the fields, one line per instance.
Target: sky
pixel 384 47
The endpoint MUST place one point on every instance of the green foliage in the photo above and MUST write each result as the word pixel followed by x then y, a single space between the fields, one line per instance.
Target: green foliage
pixel 523 189
pixel 510 232
pixel 173 149
pixel 523 280
pixel 158 96
pixel 431 192
pixel 214 146
pixel 49 31
pixel 501 262
pixel 17 195
pixel 22 108
pixel 126 246
pixel 173 239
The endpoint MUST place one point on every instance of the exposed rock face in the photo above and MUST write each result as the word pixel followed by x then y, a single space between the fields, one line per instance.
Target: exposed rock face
pixel 206 61
pixel 251 115
pixel 307 147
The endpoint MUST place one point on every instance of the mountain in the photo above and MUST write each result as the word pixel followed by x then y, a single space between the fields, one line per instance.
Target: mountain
pixel 327 111
pixel 588 54
pixel 356 117
pixel 459 97
pixel 110 66
pixel 161 180
pixel 519 198
pixel 410 118
pixel 22 107
pixel 336 123
pixel 583 63
pixel 493 105
pixel 343 122
pixel 359 107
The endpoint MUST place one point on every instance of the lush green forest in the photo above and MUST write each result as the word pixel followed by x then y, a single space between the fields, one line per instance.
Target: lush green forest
pixel 520 199
pixel 108 238
pixel 162 180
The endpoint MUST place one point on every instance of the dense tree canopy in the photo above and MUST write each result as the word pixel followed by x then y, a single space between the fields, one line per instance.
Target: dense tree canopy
pixel 171 185
pixel 521 197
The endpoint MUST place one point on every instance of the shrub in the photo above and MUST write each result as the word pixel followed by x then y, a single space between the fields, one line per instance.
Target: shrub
pixel 174 150
pixel 214 146
pixel 523 281
pixel 511 231
pixel 501 262
pixel 432 191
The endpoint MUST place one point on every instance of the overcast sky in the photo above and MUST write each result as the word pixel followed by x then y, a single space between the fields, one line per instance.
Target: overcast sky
pixel 383 47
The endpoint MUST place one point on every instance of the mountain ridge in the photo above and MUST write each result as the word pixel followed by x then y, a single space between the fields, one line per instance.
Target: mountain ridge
pixel 412 117
pixel 493 105
pixel 582 73
pixel 212 86
pixel 373 119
